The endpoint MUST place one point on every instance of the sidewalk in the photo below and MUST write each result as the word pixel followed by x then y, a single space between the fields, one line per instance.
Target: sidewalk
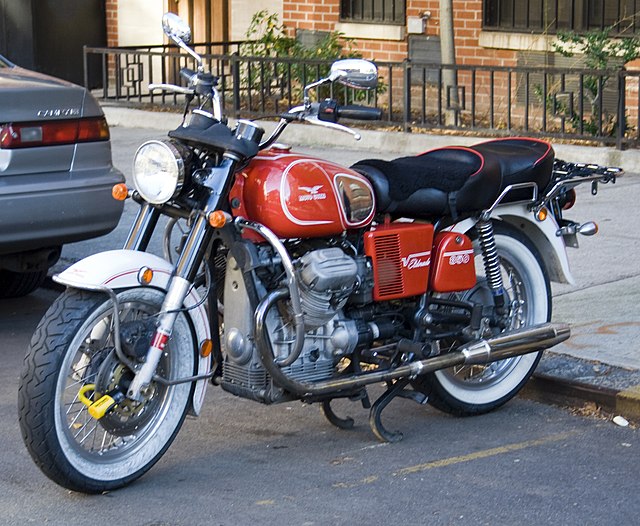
pixel 601 361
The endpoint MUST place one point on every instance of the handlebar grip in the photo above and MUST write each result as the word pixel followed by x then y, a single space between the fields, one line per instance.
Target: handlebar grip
pixel 361 113
pixel 290 116
pixel 187 74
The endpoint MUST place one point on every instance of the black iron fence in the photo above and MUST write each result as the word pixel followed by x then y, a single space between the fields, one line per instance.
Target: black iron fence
pixel 593 105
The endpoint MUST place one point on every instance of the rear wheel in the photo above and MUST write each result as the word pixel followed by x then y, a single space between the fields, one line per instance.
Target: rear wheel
pixel 73 347
pixel 476 389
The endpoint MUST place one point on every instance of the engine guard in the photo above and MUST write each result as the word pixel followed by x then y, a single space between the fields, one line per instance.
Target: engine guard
pixel 119 269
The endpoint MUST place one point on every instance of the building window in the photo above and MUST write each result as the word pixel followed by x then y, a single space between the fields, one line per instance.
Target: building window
pixel 562 15
pixel 373 11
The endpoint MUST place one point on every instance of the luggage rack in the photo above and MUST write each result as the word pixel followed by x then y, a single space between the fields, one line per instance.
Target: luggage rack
pixel 568 175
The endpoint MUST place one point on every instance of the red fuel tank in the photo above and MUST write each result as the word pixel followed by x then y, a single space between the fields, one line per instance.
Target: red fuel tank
pixel 301 196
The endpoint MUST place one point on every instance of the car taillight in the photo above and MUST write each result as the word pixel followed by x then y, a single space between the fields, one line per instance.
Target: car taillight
pixel 30 134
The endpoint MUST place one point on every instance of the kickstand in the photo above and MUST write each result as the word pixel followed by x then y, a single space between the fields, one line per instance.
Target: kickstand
pixel 342 423
pixel 347 422
pixel 393 390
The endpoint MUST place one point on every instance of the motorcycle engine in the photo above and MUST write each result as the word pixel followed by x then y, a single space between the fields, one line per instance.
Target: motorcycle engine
pixel 326 278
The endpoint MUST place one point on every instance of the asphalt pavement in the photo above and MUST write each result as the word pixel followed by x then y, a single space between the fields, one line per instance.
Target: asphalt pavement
pixel 600 364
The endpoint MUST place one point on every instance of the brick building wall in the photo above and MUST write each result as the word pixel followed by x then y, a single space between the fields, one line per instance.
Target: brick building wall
pixel 324 15
pixel 484 98
pixel 112 22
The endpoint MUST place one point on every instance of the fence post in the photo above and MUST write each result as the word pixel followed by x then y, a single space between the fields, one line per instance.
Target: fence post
pixel 622 106
pixel 407 96
pixel 235 73
pixel 85 65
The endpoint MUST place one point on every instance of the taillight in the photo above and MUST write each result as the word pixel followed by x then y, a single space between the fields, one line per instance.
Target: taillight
pixel 568 199
pixel 30 134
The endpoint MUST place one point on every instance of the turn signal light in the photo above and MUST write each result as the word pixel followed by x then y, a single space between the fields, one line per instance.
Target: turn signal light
pixel 145 276
pixel 542 214
pixel 120 192
pixel 217 219
pixel 206 348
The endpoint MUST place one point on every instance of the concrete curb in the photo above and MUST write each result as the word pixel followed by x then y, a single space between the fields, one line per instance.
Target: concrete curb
pixel 372 140
pixel 569 381
pixel 571 393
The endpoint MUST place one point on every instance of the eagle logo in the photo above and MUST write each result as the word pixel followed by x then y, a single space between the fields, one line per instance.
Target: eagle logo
pixel 313 190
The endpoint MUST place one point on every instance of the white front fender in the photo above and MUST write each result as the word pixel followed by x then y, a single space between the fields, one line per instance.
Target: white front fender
pixel 119 269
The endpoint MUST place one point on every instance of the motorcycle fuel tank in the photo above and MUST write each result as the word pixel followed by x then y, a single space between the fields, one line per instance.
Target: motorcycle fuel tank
pixel 300 196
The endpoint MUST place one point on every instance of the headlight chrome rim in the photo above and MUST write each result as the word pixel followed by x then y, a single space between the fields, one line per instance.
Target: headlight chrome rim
pixel 160 185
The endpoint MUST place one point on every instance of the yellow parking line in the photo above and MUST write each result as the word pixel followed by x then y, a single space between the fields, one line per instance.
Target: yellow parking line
pixel 460 459
pixel 482 454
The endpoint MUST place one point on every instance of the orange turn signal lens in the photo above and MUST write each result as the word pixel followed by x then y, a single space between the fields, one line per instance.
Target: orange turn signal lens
pixel 205 348
pixel 217 219
pixel 542 214
pixel 120 192
pixel 145 275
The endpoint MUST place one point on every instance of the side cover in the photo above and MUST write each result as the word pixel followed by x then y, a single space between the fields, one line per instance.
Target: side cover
pixel 453 266
pixel 401 257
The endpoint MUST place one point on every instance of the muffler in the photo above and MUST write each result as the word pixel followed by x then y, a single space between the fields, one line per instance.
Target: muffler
pixel 506 345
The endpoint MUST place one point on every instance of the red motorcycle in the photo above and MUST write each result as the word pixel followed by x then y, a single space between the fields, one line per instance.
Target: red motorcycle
pixel 297 278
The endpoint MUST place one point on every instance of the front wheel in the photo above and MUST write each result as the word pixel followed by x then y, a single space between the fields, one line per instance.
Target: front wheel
pixel 73 347
pixel 475 389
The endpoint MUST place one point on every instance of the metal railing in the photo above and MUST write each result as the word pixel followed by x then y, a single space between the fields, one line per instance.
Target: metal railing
pixel 594 105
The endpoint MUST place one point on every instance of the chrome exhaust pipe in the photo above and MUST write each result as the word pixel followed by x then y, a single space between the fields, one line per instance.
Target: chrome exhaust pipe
pixel 506 345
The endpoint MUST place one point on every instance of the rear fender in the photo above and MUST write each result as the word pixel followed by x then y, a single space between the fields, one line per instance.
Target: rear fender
pixel 541 233
pixel 119 269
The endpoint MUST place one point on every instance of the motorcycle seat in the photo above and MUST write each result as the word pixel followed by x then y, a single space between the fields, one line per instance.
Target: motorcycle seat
pixel 455 179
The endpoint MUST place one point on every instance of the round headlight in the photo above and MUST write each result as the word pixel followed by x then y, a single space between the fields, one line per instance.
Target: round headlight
pixel 158 171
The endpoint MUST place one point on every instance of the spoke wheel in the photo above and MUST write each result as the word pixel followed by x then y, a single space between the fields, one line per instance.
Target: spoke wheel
pixel 73 346
pixel 475 389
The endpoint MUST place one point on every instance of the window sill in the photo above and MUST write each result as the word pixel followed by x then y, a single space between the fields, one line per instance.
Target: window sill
pixel 371 31
pixel 516 41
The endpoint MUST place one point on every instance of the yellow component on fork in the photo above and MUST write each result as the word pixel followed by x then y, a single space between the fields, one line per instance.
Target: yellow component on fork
pixel 100 407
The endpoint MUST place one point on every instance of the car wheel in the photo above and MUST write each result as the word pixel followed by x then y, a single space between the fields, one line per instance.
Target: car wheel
pixel 16 284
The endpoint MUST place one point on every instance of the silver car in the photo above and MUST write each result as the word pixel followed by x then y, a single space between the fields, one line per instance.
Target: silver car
pixel 56 174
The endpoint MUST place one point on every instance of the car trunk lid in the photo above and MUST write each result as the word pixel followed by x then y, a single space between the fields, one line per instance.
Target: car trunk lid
pixel 33 105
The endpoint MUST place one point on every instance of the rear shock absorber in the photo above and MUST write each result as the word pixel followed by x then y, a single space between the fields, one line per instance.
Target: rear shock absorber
pixel 491 260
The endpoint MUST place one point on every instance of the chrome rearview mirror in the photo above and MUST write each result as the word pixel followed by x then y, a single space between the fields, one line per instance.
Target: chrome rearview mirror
pixel 176 28
pixel 355 73
pixel 180 32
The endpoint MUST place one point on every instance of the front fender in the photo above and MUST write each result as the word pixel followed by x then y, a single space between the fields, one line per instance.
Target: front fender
pixel 119 269
pixel 541 233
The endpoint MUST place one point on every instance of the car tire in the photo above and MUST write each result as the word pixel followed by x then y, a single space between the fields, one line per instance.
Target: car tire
pixel 16 284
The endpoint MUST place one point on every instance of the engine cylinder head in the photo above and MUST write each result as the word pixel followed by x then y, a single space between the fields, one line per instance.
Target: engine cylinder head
pixel 326 278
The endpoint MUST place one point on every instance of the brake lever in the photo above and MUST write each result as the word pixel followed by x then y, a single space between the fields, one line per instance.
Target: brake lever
pixel 313 119
pixel 171 88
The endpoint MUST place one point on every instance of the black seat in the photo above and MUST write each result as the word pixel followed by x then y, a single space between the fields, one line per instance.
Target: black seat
pixel 457 179
pixel 521 160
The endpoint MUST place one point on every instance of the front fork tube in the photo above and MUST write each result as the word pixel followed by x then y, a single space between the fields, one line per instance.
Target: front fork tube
pixel 186 269
pixel 179 286
pixel 142 228
pixel 178 290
